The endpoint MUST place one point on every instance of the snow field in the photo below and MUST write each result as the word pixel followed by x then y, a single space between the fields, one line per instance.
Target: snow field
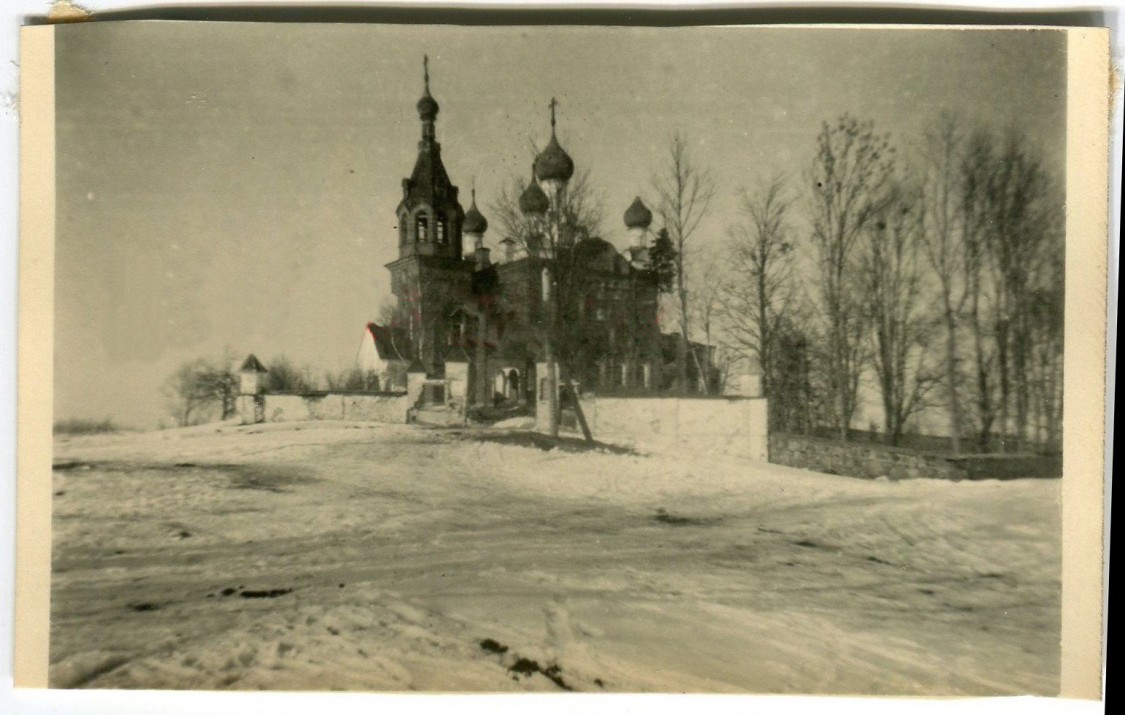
pixel 311 556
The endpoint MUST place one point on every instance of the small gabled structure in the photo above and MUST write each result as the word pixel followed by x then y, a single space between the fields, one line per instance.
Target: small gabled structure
pixel 251 380
pixel 385 351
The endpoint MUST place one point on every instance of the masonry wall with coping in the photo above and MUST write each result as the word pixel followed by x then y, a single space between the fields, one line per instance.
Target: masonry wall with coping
pixel 359 407
pixel 391 407
pixel 871 460
pixel 728 425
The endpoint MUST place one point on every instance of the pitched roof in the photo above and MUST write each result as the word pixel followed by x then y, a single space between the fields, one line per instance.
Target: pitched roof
pixel 390 343
pixel 252 364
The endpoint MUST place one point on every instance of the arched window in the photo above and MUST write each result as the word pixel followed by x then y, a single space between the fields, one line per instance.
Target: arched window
pixel 455 334
pixel 422 227
pixel 440 227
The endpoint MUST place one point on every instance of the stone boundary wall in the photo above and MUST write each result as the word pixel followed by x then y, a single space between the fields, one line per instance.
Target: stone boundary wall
pixel 733 425
pixel 870 460
pixel 297 407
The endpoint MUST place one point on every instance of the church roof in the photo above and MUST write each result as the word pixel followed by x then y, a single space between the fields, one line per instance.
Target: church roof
pixel 429 183
pixel 597 255
pixel 390 343
pixel 638 215
pixel 553 163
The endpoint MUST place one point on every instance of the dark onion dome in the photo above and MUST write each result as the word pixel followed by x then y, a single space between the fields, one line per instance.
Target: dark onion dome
pixel 554 164
pixel 638 215
pixel 533 200
pixel 427 105
pixel 475 222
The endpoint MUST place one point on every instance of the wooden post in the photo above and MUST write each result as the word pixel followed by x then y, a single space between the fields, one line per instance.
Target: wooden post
pixel 577 405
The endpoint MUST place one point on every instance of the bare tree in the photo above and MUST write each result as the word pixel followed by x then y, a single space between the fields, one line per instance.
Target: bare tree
pixel 352 379
pixel 1022 221
pixel 760 292
pixel 1012 216
pixel 199 386
pixel 583 208
pixel 1045 315
pixel 553 239
pixel 943 236
pixel 710 274
pixel 685 190
pixel 849 186
pixel 284 376
pixel 976 166
pixel 187 400
pixel 893 296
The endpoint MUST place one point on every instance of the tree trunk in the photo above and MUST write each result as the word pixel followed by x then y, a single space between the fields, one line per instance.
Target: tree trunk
pixel 552 390
pixel 1005 382
pixel 482 360
pixel 984 401
pixel 685 346
pixel 550 360
pixel 1020 360
pixel 951 379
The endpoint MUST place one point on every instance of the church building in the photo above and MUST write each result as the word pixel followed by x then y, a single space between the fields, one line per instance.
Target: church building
pixel 470 312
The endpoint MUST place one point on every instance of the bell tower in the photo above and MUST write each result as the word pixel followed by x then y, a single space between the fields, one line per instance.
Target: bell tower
pixel 430 217
pixel 430 278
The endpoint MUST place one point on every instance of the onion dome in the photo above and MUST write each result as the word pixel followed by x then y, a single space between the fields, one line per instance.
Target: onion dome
pixel 554 164
pixel 475 222
pixel 427 105
pixel 533 200
pixel 638 215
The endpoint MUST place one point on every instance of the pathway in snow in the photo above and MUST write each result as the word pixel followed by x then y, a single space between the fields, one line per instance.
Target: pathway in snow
pixel 347 556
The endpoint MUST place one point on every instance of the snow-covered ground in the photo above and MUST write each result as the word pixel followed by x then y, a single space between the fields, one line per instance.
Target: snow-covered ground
pixel 310 556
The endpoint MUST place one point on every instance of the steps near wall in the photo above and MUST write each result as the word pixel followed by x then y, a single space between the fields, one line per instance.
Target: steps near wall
pixel 437 416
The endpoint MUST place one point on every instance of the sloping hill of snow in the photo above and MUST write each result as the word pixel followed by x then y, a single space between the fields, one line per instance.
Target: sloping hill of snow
pixel 376 557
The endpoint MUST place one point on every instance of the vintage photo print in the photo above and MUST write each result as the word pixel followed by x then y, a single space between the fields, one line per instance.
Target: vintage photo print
pixel 761 360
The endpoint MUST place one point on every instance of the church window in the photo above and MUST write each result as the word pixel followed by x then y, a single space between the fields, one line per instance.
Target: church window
pixel 457 328
pixel 422 228
pixel 440 227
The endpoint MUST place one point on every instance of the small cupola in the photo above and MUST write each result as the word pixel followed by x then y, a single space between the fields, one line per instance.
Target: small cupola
pixel 533 200
pixel 427 105
pixel 475 222
pixel 638 216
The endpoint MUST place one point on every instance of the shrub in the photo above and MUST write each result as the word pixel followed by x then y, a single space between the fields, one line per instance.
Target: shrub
pixel 85 426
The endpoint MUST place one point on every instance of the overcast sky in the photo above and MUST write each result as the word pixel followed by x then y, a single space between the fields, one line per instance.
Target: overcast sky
pixel 235 184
